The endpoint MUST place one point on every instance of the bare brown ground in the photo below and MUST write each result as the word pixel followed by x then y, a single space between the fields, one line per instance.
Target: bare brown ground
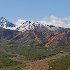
pixel 43 63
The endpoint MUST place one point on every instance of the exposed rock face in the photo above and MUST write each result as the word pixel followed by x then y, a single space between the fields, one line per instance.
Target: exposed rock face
pixel 6 34
pixel 43 36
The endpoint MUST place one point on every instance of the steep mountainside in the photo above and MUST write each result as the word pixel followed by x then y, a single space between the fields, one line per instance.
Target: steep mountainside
pixel 6 34
pixel 46 37
pixel 43 37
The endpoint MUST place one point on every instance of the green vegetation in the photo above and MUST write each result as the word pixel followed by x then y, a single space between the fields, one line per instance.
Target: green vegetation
pixel 7 64
pixel 4 62
pixel 14 56
pixel 60 64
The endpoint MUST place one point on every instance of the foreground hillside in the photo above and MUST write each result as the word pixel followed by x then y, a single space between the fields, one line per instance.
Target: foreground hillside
pixel 43 64
pixel 14 56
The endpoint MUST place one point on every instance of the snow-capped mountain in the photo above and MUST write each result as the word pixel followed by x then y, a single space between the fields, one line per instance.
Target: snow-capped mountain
pixel 6 24
pixel 40 32
pixel 24 25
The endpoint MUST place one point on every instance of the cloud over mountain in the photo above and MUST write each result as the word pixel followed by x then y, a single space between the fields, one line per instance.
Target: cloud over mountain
pixel 56 21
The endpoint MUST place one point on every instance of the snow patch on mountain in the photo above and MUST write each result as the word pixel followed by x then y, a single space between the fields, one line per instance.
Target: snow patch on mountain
pixel 6 24
pixel 23 25
pixel 19 22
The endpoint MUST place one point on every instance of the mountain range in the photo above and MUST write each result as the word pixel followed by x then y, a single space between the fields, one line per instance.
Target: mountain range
pixel 24 25
pixel 34 33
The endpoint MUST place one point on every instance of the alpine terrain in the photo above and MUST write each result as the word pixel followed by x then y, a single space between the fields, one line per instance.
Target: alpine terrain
pixel 33 45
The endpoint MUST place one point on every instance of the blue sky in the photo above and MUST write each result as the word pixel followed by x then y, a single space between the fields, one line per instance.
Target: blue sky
pixel 33 9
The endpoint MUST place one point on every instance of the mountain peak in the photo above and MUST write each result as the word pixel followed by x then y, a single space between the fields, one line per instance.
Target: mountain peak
pixel 2 19
pixel 5 23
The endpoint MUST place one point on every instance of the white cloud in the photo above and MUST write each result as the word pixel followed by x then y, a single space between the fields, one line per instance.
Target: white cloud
pixel 59 22
pixel 52 20
pixel 66 18
pixel 45 19
pixel 53 17
pixel 20 22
